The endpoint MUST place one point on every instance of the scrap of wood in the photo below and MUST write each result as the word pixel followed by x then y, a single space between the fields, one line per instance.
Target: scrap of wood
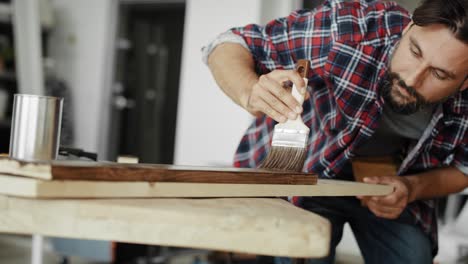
pixel 248 225
pixel 108 171
pixel 35 188
pixel 29 169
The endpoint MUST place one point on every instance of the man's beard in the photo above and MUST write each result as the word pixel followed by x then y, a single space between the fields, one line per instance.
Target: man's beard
pixel 405 105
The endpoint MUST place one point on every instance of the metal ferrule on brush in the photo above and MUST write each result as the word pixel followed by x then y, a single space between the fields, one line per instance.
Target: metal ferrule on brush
pixel 285 137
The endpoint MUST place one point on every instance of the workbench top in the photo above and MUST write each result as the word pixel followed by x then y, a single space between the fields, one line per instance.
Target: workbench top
pixel 266 226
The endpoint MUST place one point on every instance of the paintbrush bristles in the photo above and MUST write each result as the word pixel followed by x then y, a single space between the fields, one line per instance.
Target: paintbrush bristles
pixel 285 159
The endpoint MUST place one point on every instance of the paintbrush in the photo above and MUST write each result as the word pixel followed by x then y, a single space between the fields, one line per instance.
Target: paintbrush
pixel 289 142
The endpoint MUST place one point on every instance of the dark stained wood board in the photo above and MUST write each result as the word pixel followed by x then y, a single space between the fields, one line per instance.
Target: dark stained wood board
pixel 109 171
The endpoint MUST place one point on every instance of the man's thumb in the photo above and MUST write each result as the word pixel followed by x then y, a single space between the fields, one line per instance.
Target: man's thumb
pixel 371 180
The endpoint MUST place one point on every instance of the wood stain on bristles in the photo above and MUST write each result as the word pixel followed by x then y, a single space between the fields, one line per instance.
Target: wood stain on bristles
pixel 285 159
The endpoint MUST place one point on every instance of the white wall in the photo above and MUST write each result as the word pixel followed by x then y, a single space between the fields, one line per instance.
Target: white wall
pixel 410 5
pixel 209 124
pixel 78 45
pixel 272 9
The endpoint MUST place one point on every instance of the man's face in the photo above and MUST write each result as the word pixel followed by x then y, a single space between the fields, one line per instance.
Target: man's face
pixel 429 65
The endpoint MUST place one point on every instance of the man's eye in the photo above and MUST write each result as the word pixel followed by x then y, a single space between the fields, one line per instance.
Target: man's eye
pixel 439 75
pixel 415 52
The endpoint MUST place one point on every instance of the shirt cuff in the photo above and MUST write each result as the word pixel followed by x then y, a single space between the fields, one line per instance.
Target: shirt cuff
pixel 222 38
pixel 463 169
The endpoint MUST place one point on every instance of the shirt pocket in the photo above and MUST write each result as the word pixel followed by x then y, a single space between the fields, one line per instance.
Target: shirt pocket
pixel 350 77
pixel 350 24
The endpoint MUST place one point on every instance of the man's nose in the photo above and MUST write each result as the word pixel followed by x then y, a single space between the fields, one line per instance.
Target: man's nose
pixel 416 75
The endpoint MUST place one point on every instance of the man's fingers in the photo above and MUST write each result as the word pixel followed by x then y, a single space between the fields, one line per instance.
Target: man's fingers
pixel 269 111
pixel 393 199
pixel 290 78
pixel 278 106
pixel 271 96
pixel 376 204
pixel 374 180
pixel 275 87
pixel 386 215
pixel 278 97
pixel 399 195
pixel 288 86
pixel 383 211
pixel 381 180
pixel 289 75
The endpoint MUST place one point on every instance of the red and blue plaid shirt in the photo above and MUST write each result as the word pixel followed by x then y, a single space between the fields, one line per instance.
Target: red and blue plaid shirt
pixel 349 45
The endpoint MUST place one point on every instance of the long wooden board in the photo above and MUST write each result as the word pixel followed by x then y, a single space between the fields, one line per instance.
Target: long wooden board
pixel 94 171
pixel 249 225
pixel 34 188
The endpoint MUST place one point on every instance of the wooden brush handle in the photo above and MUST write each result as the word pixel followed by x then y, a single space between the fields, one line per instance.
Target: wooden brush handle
pixel 302 67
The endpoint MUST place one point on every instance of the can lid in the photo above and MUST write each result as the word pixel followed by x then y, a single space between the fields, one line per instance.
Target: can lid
pixel 39 96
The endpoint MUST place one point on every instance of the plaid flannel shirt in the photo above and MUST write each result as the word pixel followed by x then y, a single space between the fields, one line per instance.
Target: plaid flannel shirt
pixel 349 45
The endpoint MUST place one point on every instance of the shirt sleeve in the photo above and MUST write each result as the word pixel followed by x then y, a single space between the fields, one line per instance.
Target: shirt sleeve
pixel 283 41
pixel 461 159
pixel 225 37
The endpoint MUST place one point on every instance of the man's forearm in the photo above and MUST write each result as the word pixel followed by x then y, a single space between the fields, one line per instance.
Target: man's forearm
pixel 436 183
pixel 233 69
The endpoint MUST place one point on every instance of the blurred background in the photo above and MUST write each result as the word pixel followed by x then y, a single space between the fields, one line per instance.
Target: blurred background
pixel 134 84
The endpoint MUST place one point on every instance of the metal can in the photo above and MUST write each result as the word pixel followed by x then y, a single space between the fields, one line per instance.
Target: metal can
pixel 35 127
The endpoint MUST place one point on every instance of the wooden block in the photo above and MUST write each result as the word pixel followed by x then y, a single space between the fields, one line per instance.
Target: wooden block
pixel 374 167
pixel 248 225
pixel 34 188
pixel 94 171
pixel 127 159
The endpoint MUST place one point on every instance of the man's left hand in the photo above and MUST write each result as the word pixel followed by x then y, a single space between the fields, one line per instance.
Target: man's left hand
pixel 392 205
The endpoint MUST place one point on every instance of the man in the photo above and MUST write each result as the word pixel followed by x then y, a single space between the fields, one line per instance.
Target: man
pixel 381 83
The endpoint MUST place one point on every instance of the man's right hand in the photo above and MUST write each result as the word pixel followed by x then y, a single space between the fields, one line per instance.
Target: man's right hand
pixel 233 68
pixel 271 95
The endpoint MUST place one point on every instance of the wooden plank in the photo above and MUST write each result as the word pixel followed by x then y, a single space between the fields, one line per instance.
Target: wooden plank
pixel 248 225
pixel 94 171
pixel 29 187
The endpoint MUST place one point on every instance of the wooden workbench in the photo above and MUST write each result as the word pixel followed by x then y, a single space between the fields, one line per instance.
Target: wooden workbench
pixel 267 226
pixel 127 203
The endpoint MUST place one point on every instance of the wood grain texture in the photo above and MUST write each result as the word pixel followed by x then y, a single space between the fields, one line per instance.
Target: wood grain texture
pixel 34 188
pixel 93 171
pixel 248 225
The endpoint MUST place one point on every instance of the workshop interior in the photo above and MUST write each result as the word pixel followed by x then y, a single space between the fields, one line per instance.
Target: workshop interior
pixel 123 82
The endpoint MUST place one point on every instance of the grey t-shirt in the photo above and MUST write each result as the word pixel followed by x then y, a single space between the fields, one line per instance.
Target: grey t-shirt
pixel 394 130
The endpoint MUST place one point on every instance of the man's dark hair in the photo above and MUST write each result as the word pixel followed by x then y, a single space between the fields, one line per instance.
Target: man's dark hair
pixel 451 13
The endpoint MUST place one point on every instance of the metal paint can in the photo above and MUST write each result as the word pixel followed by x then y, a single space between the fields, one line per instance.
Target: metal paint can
pixel 35 127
